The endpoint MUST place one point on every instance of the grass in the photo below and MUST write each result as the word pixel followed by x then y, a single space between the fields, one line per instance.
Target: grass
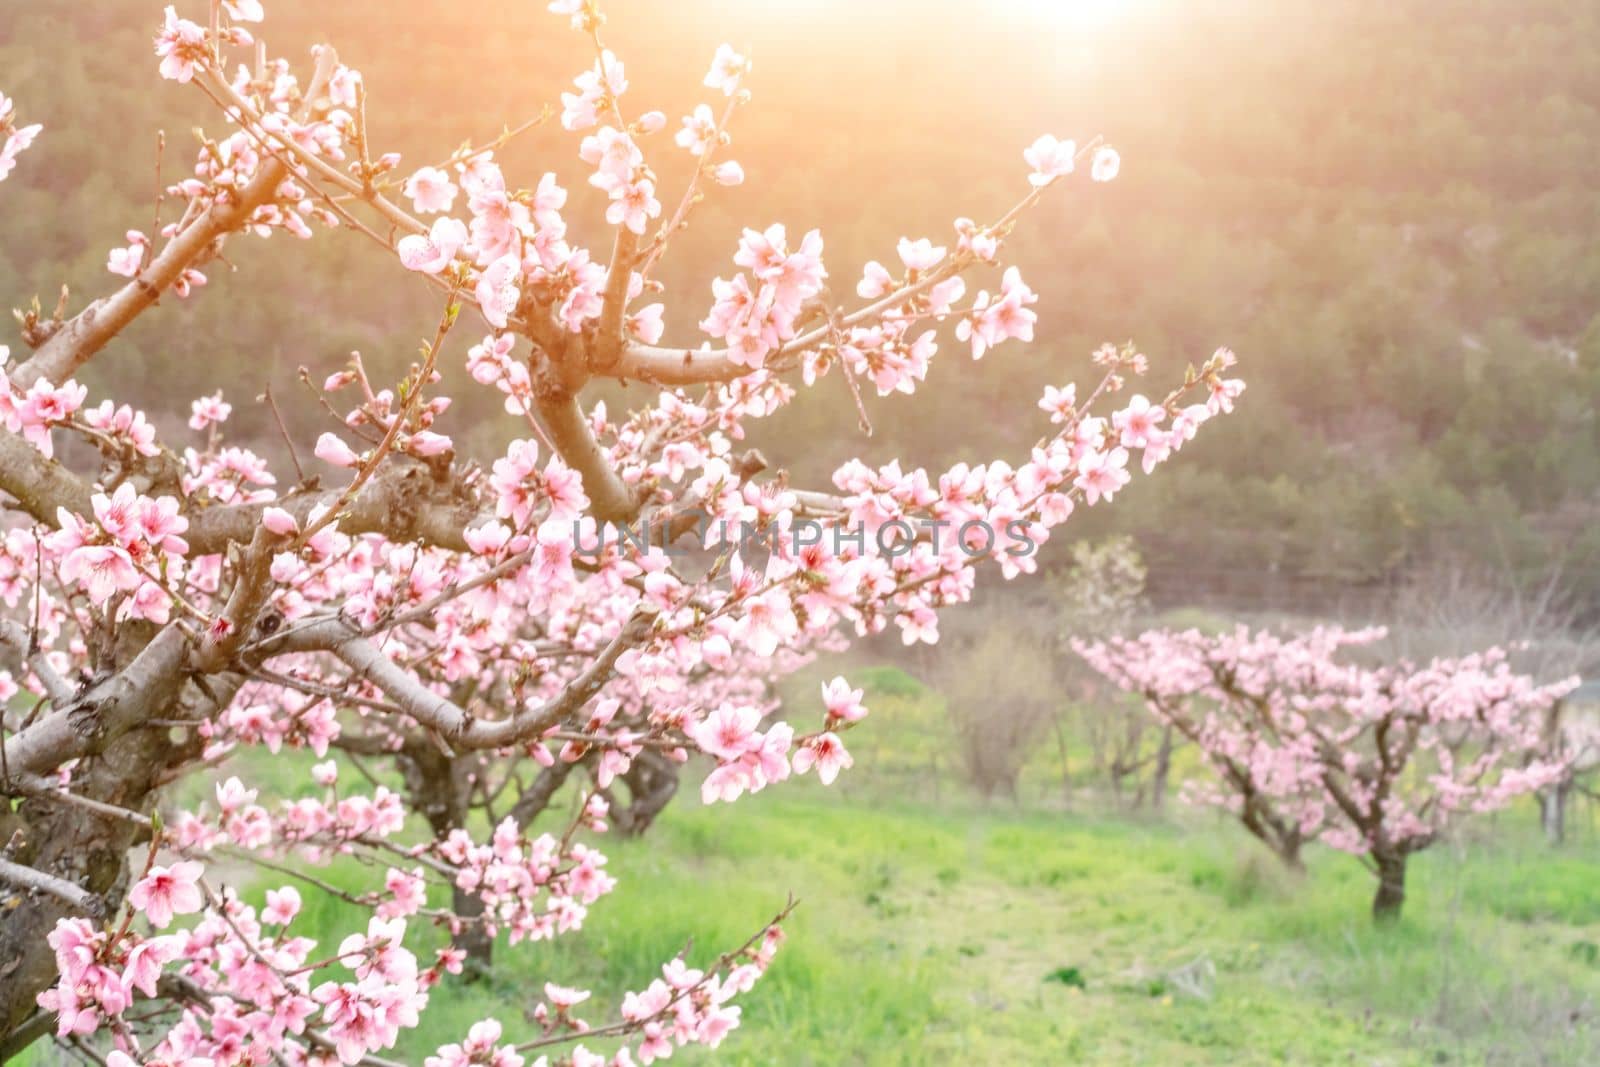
pixel 972 936
pixel 932 930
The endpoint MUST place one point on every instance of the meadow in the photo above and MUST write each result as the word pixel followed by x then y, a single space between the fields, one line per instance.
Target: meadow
pixel 965 935
pixel 935 928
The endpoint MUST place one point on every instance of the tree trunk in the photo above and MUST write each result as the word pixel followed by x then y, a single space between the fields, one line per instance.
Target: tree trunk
pixel 1553 812
pixel 441 791
pixel 1391 895
pixel 1158 780
pixel 1066 770
pixel 77 845
pixel 652 782
pixel 472 938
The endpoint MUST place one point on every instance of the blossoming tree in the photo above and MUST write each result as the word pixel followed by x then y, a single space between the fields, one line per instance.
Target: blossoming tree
pixel 1307 745
pixel 476 629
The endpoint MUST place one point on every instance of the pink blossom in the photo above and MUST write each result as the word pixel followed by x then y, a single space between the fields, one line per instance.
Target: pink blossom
pixel 919 255
pixel 181 45
pixel 330 449
pixel 1106 164
pixel 168 891
pixel 1101 474
pixel 1050 159
pixel 209 411
pixel 727 67
pixel 842 702
pixel 728 732
pixel 1137 423
pixel 633 204
pixel 699 131
pixel 280 522
pixel 497 290
pixel 827 753
pixel 433 253
pixel 430 190
pixel 101 570
pixel 127 261
pixel 283 905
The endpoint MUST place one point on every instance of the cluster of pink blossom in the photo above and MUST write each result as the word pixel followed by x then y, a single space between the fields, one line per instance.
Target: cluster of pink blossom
pixel 13 138
pixel 1310 743
pixel 473 624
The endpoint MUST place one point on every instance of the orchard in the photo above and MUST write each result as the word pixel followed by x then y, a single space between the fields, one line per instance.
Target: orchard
pixel 583 533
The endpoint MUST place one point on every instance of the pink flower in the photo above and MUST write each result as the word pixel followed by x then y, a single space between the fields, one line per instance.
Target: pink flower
pixel 282 906
pixel 563 996
pixel 1062 404
pixel 102 570
pixel 280 522
pixel 428 443
pixel 168 891
pixel 127 261
pixel 827 753
pixel 118 514
pixel 646 323
pixel 920 255
pixel 727 67
pixel 497 290
pixel 1050 159
pixel 1101 474
pixel 842 702
pixel 408 893
pixel 1106 164
pixel 14 144
pixel 430 190
pixel 728 172
pixel 699 131
pixel 181 44
pixel 208 410
pixel 633 204
pixel 160 524
pixel 433 253
pixel 875 281
pixel 988 324
pixel 728 732
pixel 1138 421
pixel 331 449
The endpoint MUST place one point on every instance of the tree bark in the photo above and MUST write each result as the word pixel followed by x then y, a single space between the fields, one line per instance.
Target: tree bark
pixel 1158 780
pixel 1391 895
pixel 1553 812
pixel 79 846
pixel 441 790
pixel 652 782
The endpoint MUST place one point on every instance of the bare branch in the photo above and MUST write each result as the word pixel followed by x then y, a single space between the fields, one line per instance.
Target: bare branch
pixel 29 878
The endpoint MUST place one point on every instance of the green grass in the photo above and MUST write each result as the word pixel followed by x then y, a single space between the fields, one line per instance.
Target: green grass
pixel 966 936
pixel 931 930
pixel 957 934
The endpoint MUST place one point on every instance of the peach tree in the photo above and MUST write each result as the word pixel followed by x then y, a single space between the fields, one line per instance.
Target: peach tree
pixel 454 641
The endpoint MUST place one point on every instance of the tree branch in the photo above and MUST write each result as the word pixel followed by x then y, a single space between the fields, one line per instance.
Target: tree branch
pixel 74 896
pixel 87 332
pixel 452 722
